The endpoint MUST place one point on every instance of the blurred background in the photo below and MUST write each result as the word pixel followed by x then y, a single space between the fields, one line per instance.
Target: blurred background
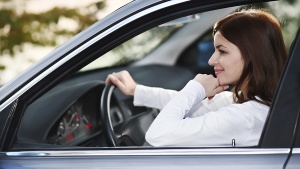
pixel 30 29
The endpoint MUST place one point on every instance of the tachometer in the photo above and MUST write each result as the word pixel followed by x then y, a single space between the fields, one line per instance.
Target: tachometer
pixel 77 124
pixel 68 126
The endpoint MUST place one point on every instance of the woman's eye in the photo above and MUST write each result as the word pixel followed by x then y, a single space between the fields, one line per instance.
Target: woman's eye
pixel 221 52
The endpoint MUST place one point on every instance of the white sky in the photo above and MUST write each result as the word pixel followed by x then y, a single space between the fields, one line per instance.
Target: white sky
pixel 21 61
pixel 43 5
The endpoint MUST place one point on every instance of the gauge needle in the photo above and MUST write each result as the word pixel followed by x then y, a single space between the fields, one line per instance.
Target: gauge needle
pixel 77 125
pixel 71 119
pixel 87 123
pixel 85 120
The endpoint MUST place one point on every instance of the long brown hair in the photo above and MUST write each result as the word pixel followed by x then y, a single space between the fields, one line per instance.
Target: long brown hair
pixel 258 35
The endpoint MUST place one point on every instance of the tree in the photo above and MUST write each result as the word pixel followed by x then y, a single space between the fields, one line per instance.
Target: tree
pixel 20 27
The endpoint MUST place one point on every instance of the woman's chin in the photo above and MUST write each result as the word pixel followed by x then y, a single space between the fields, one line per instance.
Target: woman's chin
pixel 224 82
pixel 221 81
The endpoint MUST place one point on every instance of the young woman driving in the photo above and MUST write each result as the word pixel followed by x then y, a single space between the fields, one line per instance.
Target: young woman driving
pixel 250 55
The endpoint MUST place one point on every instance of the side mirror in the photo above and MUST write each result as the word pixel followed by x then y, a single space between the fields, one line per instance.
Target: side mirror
pixel 182 20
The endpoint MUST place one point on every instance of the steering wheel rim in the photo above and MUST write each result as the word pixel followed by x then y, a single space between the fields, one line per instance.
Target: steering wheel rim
pixel 105 115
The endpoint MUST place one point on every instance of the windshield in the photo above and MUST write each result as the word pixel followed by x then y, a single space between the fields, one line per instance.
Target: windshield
pixel 135 48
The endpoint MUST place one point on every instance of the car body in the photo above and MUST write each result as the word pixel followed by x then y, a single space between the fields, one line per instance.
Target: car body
pixel 50 114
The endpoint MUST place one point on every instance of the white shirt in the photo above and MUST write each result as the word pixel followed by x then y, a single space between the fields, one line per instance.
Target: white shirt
pixel 188 120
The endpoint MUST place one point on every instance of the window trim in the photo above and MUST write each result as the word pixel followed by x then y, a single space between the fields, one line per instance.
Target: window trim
pixel 151 152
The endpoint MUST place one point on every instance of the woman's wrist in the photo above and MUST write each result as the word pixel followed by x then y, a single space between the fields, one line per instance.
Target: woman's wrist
pixel 132 91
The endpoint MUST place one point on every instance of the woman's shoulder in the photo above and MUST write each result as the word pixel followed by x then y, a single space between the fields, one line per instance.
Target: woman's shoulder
pixel 251 103
pixel 257 105
pixel 250 107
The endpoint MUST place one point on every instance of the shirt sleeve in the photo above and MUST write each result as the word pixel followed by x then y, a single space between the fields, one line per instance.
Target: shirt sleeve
pixel 155 97
pixel 152 96
pixel 172 128
pixel 222 99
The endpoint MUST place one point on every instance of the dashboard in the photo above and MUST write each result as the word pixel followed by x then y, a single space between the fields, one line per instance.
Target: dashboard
pixel 69 113
pixel 67 116
pixel 79 122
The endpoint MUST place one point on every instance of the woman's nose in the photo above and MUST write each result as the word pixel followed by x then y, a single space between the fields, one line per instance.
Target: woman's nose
pixel 213 60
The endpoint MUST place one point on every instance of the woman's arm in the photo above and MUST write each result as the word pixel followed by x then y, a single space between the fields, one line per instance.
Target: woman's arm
pixel 171 128
pixel 143 95
pixel 152 96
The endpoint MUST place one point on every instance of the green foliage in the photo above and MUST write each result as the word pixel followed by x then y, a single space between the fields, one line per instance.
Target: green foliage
pixel 39 29
pixel 291 1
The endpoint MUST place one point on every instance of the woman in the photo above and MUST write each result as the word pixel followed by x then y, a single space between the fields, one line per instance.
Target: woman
pixel 250 55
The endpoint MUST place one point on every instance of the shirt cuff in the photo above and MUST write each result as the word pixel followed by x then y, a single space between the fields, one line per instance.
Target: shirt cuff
pixel 194 88
pixel 138 95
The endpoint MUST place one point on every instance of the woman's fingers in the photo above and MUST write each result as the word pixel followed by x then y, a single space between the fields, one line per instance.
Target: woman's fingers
pixel 110 78
pixel 210 84
pixel 107 80
pixel 220 89
pixel 123 81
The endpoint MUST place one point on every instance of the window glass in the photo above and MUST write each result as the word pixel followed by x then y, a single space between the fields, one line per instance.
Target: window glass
pixel 196 56
pixel 69 114
pixel 135 48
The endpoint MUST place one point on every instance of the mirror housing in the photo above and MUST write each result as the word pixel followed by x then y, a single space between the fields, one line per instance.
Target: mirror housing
pixel 182 20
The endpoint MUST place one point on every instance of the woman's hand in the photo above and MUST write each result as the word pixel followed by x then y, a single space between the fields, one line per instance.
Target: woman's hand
pixel 123 81
pixel 210 84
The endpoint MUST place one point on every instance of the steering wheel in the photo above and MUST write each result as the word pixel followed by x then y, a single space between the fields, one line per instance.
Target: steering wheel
pixel 131 131
pixel 105 115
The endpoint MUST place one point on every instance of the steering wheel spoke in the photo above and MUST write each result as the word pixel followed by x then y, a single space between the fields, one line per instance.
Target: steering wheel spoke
pixel 131 131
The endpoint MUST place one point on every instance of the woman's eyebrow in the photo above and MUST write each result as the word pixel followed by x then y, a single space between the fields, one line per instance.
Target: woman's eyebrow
pixel 219 46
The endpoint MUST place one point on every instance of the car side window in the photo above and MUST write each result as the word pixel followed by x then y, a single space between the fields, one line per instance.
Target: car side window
pixel 75 118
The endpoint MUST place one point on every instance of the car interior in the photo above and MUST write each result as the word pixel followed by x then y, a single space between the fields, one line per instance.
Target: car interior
pixel 74 113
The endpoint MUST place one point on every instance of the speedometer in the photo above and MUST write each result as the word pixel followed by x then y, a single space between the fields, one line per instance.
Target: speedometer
pixel 68 127
pixel 73 127
pixel 69 124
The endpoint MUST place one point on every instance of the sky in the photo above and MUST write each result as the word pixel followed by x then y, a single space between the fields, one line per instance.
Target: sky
pixel 22 60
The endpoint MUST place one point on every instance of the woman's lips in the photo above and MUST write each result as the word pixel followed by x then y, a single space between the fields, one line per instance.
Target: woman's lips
pixel 218 71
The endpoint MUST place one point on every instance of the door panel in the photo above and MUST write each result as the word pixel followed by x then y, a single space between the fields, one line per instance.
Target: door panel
pixel 294 161
pixel 151 158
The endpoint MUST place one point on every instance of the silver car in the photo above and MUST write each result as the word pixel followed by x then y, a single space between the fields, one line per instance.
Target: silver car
pixel 60 114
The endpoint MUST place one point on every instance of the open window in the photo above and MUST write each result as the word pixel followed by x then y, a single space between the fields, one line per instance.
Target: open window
pixel 68 113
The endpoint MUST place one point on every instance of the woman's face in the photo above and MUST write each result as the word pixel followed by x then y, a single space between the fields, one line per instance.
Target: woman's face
pixel 226 60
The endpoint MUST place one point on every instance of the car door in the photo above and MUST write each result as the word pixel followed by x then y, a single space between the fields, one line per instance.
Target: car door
pixel 293 160
pixel 272 152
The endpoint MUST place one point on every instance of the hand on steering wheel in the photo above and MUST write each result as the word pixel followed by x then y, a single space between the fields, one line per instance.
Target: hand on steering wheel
pixel 123 81
pixel 132 130
pixel 126 85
